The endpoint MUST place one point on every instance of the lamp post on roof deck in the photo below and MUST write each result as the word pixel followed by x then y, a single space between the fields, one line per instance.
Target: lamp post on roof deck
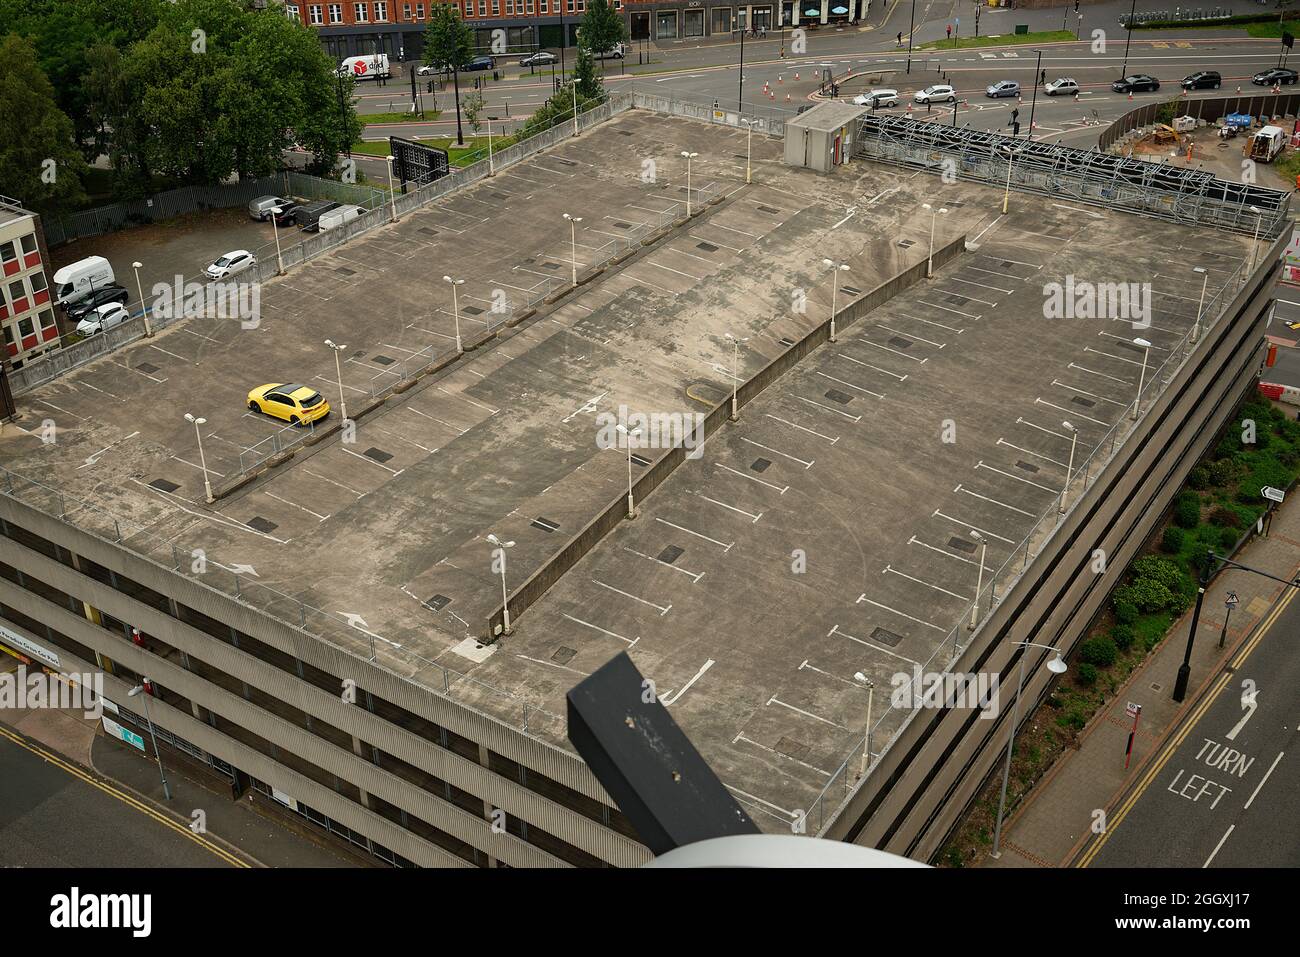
pixel 1205 278
pixel 836 268
pixel 338 370
pixel 455 309
pixel 196 421
pixel 1146 351
pixel 505 600
pixel 1069 469
pixel 870 685
pixel 628 435
pixel 979 581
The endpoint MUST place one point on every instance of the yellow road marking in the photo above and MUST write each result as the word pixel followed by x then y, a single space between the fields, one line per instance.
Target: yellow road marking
pixel 1176 742
pixel 124 798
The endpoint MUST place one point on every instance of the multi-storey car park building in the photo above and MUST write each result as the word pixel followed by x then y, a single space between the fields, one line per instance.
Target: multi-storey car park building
pixel 328 630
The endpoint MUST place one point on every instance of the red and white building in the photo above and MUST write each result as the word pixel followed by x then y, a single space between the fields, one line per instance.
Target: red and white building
pixel 28 319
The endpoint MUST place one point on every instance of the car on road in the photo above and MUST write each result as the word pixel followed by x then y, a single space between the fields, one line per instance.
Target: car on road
pixel 940 93
pixel 1278 76
pixel 616 52
pixel 1003 88
pixel 877 99
pixel 1202 80
pixel 260 208
pixel 100 297
pixel 103 317
pixel 231 264
pixel 297 404
pixel 1061 86
pixel 540 58
pixel 426 70
pixel 478 63
pixel 1137 83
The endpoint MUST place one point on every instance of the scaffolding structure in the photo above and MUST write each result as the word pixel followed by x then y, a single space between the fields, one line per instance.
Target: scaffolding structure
pixel 1086 176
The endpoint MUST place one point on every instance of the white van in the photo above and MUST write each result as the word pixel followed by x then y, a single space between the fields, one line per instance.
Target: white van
pixel 370 66
pixel 337 217
pixel 616 52
pixel 82 278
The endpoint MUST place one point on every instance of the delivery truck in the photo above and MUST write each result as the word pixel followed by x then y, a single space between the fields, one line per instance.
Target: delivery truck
pixel 372 66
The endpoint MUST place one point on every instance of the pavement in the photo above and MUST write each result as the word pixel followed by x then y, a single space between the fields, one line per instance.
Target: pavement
pixel 1169 809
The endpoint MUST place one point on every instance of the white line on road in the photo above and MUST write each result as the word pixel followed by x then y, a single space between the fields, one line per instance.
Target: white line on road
pixel 663 609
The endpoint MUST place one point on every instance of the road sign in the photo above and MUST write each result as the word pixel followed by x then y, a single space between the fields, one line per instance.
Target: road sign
pixel 130 737
pixel 1231 600
pixel 417 162
pixel 1132 710
pixel 1272 494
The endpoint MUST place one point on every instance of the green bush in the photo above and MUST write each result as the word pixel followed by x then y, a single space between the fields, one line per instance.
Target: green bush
pixel 1225 517
pixel 1123 636
pixel 1228 539
pixel 1187 510
pixel 1173 540
pixel 1225 471
pixel 1099 651
pixel 1200 478
pixel 1160 570
pixel 1086 675
pixel 1125 611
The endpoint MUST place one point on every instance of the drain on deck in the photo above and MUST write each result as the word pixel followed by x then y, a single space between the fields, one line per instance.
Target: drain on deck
pixel 671 554
pixel 563 655
pixel 258 524
pixel 835 395
pixel 900 342
pixel 886 637
pixel 760 465
pixel 1026 466
pixel 545 524
pixel 163 485
pixel 437 602
pixel 1080 400
pixel 383 360
pixel 707 247
pixel 379 455
pixel 961 544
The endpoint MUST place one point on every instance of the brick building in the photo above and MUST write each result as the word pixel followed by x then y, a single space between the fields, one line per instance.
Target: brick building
pixel 27 314
pixel 687 19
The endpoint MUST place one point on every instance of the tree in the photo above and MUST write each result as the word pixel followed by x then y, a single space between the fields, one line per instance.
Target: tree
pixel 584 74
pixel 39 160
pixel 474 110
pixel 601 29
pixel 448 44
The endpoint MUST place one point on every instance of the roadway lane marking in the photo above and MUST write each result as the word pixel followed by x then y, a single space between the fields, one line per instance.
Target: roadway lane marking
pixel 1223 840
pixel 663 609
pixel 603 631
pixel 1246 806
pixel 726 546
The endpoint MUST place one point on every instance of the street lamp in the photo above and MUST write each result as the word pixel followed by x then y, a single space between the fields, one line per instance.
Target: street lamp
pixel 1146 351
pixel 1033 100
pixel 735 378
pixel 1230 602
pixel 167 791
pixel 1259 220
pixel 338 369
pixel 492 170
pixel 148 327
pixel 1056 666
pixel 392 196
pixel 628 434
pixel 455 306
pixel 749 138
pixel 203 464
pixel 689 157
pixel 837 268
pixel 1069 469
pixel 934 214
pixel 505 601
pixel 870 685
pixel 1006 197
pixel 276 211
pixel 1205 278
pixel 573 237
pixel 979 581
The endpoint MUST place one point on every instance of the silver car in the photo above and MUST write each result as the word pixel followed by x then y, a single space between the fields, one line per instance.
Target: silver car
pixel 262 207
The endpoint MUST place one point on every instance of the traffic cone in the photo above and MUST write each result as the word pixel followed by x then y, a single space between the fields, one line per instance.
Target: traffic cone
pixel 796 76
pixel 1076 96
pixel 1130 94
pixel 787 97
pixel 780 79
pixel 1239 91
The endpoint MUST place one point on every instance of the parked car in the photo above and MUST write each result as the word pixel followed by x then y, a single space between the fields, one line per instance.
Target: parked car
pixel 260 208
pixel 877 99
pixel 616 52
pixel 1137 83
pixel 287 216
pixel 103 317
pixel 79 279
pixel 100 297
pixel 1202 80
pixel 426 70
pixel 478 63
pixel 337 217
pixel 1003 88
pixel 540 58
pixel 231 264
pixel 298 404
pixel 308 215
pixel 1061 86
pixel 936 94
pixel 1277 76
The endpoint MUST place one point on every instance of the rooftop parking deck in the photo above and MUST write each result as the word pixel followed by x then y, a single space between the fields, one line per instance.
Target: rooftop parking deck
pixel 826 532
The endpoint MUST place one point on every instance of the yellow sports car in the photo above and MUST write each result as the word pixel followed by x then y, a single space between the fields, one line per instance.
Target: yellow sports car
pixel 298 404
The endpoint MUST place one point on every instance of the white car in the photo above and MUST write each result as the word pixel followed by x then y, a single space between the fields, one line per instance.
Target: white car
pixel 427 70
pixel 104 317
pixel 232 263
pixel 1061 86
pixel 936 94
pixel 877 99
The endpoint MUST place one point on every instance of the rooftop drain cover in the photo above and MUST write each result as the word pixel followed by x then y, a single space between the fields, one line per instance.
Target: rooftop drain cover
pixel 1026 466
pixel 624 132
pixel 792 749
pixel 958 300
pixel 563 655
pixel 383 360
pixel 787 341
pixel 379 455
pixel 545 524
pixel 761 465
pixel 345 271
pixel 622 225
pixel 1080 400
pixel 471 310
pixel 671 554
pixel 707 247
pixel 147 368
pixel 550 265
pixel 639 460
pixel 427 231
pixel 851 290
pixel 886 637
pixel 438 602
pixel 962 544
pixel 565 162
pixel 259 524
pixel 905 243
pixel 163 485
pixel 769 210
pixel 901 343
pixel 835 395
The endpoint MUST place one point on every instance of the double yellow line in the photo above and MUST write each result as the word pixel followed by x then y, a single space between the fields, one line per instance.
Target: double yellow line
pixel 1173 744
pixel 125 798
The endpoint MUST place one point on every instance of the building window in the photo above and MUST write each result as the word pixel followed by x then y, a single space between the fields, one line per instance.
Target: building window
pixel 482 8
pixel 29 243
pixel 361 12
pixel 510 6
pixel 25 328
pixel 381 12
pixel 291 11
pixel 419 11
pixel 37 279
pixel 7 252
pixel 314 12
pixel 496 8
pixel 47 319
pixel 406 11
pixel 336 13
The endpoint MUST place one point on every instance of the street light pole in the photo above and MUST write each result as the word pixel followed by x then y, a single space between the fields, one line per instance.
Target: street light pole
pixel 1006 197
pixel 627 436
pixel 689 157
pixel 1033 100
pixel 1229 603
pixel 836 268
pixel 740 95
pixel 1069 469
pixel 573 237
pixel 1185 669
pixel 911 25
pixel 196 421
pixel 148 326
pixel 1127 39
pixel 338 370
pixel 1057 667
pixel 392 196
pixel 275 229
pixel 979 581
pixel 455 309
pixel 1146 351
pixel 735 378
pixel 167 791
pixel 1259 219
pixel 1205 278
pixel 870 685
pixel 749 139
pixel 934 214
pixel 505 601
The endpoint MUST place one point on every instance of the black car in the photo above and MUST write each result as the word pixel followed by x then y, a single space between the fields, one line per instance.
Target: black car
pixel 1275 76
pixel 100 297
pixel 1202 80
pixel 478 63
pixel 1137 83
pixel 287 216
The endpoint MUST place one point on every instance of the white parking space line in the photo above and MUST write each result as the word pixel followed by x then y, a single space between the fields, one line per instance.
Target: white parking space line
pixel 366 458
pixel 916 541
pixel 982 465
pixel 956 312
pixel 456 428
pixel 123 365
pixel 64 411
pixel 966 295
pixel 807 714
pixel 663 609
pixel 1075 365
pixel 788 815
pixel 603 631
pixel 971 282
pixel 1016 261
pixel 1108 355
pixel 982 531
pixel 912 335
pixel 900 378
pixel 807 464
pixel 929 322
pixel 651 262
pixel 1091 395
pixel 780 489
pixel 1074 412
pixel 296 505
pixel 1023 421
pixel 335 383
pixel 172 354
pixel 749 515
pixel 193 466
pixel 725 546
pixel 852 418
pixel 993 272
pixel 552 664
pixel 891 570
pixel 332 482
pixel 400 438
pixel 696 576
pixel 901 614
pixel 671 698
pixel 201 336
pixel 1037 455
pixel 894 351
pixel 962 488
pixel 832 441
pixel 779 754
pixel 733 229
pixel 465 398
pixel 835 632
